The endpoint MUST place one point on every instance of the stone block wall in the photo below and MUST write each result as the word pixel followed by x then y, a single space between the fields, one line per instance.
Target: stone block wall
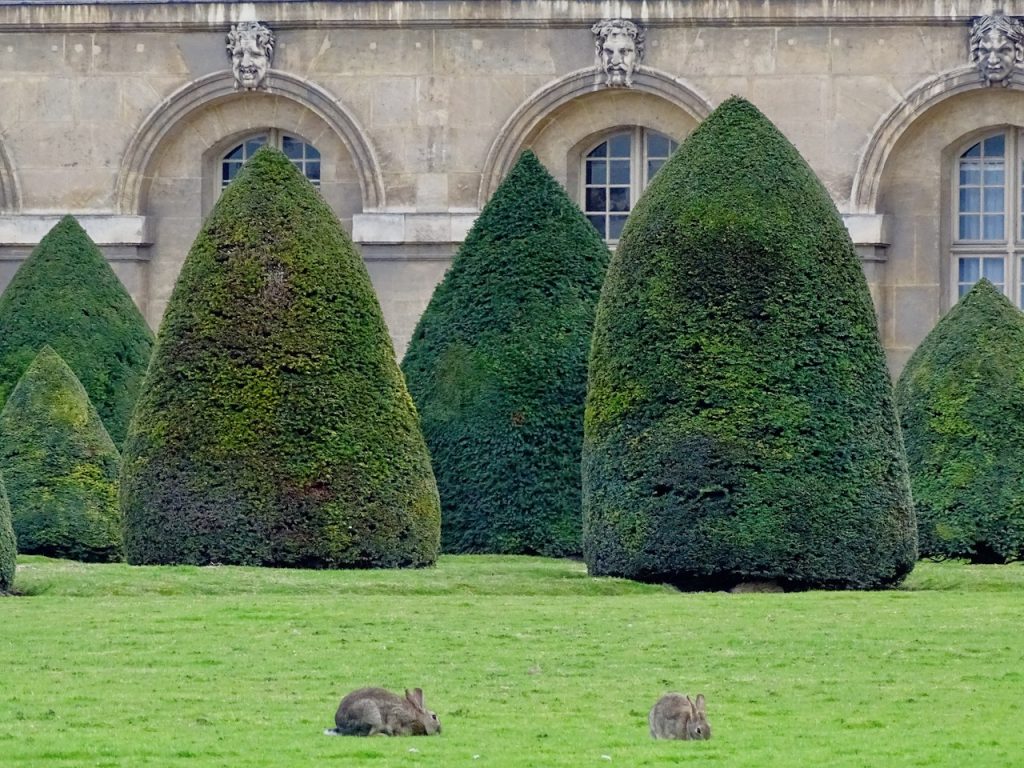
pixel 120 112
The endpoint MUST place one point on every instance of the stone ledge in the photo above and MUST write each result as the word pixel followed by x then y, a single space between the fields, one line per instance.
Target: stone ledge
pixel 380 228
pixel 155 15
pixel 868 228
pixel 408 227
pixel 27 229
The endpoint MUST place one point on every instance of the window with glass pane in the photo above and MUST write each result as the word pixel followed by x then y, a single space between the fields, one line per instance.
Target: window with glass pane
pixel 304 156
pixel 973 268
pixel 235 159
pixel 988 222
pixel 1020 282
pixel 616 171
pixel 659 149
pixel 982 190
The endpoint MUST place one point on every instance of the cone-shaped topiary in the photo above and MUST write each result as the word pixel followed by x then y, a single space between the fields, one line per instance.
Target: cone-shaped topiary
pixel 66 295
pixel 8 546
pixel 961 404
pixel 498 367
pixel 740 420
pixel 274 426
pixel 60 466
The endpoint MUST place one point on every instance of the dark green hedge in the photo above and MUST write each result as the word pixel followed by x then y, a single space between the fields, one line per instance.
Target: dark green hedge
pixel 67 296
pixel 497 368
pixel 60 466
pixel 8 547
pixel 740 421
pixel 274 426
pixel 961 405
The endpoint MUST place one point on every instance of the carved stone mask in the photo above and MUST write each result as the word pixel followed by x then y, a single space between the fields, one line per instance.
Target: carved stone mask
pixel 250 47
pixel 620 48
pixel 997 47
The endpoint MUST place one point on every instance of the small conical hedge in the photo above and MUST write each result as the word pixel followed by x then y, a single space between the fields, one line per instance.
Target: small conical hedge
pixel 66 295
pixel 740 421
pixel 274 426
pixel 8 546
pixel 961 404
pixel 60 466
pixel 497 368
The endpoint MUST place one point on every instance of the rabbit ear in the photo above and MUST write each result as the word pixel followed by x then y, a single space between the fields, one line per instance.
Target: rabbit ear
pixel 700 704
pixel 415 697
pixel 693 707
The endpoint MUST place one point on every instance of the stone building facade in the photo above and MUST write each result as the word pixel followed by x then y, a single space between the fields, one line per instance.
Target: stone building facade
pixel 131 116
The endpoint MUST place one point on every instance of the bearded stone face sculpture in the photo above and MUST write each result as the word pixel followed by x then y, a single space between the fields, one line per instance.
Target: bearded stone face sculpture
pixel 619 45
pixel 250 48
pixel 997 47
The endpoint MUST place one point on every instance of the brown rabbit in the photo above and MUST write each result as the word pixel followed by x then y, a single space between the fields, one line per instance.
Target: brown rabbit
pixel 675 716
pixel 373 711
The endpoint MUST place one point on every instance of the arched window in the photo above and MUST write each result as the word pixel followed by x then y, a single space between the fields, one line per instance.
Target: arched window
pixel 616 171
pixel 988 240
pixel 305 156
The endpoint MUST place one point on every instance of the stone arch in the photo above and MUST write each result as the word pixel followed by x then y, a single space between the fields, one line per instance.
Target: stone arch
pixel 171 170
pixel 10 189
pixel 539 111
pixel 134 178
pixel 867 180
pixel 908 175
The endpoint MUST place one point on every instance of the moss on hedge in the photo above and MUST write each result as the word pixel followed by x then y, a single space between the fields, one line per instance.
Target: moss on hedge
pixel 66 295
pixel 274 426
pixel 60 466
pixel 497 368
pixel 8 546
pixel 961 405
pixel 740 420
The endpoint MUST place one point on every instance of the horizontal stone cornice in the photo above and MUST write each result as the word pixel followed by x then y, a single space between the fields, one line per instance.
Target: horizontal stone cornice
pixel 391 227
pixel 21 15
pixel 395 227
pixel 27 229
pixel 378 227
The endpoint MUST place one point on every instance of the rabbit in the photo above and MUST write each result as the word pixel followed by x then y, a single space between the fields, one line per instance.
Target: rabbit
pixel 376 711
pixel 675 716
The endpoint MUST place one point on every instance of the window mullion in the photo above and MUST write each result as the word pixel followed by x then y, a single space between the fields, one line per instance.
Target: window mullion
pixel 1010 177
pixel 1013 182
pixel 638 180
pixel 1013 191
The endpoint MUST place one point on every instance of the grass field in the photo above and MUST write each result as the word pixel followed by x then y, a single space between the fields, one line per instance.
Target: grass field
pixel 528 662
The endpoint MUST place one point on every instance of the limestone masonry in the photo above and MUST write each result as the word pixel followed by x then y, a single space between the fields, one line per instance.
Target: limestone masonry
pixel 133 116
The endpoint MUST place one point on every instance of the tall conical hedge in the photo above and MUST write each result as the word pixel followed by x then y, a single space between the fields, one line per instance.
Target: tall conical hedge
pixel 740 420
pixel 66 295
pixel 8 546
pixel 60 466
pixel 961 404
pixel 498 366
pixel 274 426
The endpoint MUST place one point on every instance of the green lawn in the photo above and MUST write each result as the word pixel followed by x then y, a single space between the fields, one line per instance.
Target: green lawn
pixel 528 662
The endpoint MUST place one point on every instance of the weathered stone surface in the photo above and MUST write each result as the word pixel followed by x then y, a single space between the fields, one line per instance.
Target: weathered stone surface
pixel 108 109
